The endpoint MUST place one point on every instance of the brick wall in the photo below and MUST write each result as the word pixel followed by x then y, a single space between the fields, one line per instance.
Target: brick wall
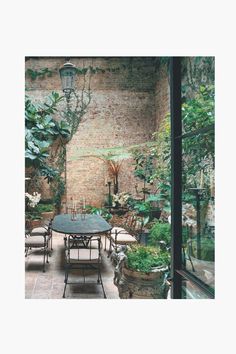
pixel 162 94
pixel 128 102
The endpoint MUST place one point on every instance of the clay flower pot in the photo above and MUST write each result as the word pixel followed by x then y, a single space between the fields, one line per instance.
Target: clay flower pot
pixel 46 215
pixel 31 224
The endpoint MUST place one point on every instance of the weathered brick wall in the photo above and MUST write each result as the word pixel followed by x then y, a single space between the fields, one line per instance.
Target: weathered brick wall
pixel 162 94
pixel 128 102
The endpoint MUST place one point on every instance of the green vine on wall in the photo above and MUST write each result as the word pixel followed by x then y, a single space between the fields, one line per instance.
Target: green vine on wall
pixel 46 72
pixel 33 74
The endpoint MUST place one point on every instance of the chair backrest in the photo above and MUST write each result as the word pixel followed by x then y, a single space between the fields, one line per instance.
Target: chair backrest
pixel 83 249
pixel 130 220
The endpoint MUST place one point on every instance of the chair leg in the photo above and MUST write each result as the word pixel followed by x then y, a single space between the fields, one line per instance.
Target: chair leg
pixel 44 258
pixel 98 280
pixel 47 250
pixel 105 246
pixel 26 251
pixel 51 243
pixel 109 251
pixel 104 294
pixel 65 281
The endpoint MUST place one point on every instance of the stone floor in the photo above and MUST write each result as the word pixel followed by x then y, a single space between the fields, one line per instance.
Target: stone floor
pixel 50 285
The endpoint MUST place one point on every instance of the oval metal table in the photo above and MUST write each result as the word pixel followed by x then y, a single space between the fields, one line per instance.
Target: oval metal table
pixel 85 224
pixel 81 230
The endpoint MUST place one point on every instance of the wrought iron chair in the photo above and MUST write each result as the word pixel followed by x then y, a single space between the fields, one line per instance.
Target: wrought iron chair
pixel 129 220
pixel 38 241
pixel 82 252
pixel 125 236
pixel 44 230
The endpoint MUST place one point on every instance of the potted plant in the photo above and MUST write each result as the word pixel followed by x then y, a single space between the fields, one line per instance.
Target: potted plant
pixel 98 211
pixel 32 216
pixel 120 203
pixel 141 273
pixel 46 210
pixel 160 232
pixel 147 209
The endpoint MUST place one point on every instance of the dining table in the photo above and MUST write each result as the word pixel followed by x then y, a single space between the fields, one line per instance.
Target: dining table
pixel 83 224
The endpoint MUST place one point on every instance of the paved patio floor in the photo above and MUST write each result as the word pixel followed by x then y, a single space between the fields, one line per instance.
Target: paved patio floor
pixel 50 285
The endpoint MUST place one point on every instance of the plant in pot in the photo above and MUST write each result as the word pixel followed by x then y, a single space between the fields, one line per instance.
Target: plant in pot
pixel 98 211
pixel 46 210
pixel 144 168
pixel 120 202
pixel 32 215
pixel 142 272
pixel 147 208
pixel 160 233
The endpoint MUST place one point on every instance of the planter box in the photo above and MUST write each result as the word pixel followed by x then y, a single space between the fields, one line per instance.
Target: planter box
pixel 133 284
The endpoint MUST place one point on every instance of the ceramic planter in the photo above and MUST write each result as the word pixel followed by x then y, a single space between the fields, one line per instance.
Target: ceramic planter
pixel 133 284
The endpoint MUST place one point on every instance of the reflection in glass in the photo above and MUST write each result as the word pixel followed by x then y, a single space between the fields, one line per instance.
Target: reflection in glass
pixel 198 206
pixel 191 291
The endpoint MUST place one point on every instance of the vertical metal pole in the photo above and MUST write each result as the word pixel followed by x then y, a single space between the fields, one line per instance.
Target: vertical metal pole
pixel 66 174
pixel 198 225
pixel 176 175
pixel 109 195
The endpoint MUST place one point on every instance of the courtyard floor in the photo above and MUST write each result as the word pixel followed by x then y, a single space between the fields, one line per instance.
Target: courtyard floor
pixel 50 285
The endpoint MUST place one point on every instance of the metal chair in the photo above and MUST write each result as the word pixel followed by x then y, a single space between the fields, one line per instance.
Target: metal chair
pixel 82 252
pixel 125 236
pixel 129 220
pixel 38 241
pixel 44 230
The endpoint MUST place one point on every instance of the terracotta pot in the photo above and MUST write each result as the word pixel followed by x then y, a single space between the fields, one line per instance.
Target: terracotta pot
pixel 47 215
pixel 133 284
pixel 31 224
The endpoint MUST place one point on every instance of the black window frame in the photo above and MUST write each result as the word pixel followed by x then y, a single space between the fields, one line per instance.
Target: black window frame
pixel 178 273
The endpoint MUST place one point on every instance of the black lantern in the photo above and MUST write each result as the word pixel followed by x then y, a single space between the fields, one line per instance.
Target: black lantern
pixel 68 75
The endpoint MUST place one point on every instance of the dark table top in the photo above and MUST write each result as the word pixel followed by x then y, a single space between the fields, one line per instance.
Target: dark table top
pixel 84 225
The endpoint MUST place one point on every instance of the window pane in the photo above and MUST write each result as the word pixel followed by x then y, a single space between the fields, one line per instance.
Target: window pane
pixel 191 291
pixel 198 210
pixel 197 93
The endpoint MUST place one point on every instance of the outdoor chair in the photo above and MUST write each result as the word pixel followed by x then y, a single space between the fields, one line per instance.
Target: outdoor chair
pixel 44 230
pixel 129 221
pixel 82 253
pixel 37 241
pixel 126 235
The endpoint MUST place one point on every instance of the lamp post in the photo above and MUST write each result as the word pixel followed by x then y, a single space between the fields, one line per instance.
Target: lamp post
pixel 109 194
pixel 77 100
pixel 68 77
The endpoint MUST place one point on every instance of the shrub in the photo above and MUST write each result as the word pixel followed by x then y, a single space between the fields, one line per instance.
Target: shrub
pixel 160 232
pixel 144 258
pixel 42 208
pixel 98 211
pixel 207 249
